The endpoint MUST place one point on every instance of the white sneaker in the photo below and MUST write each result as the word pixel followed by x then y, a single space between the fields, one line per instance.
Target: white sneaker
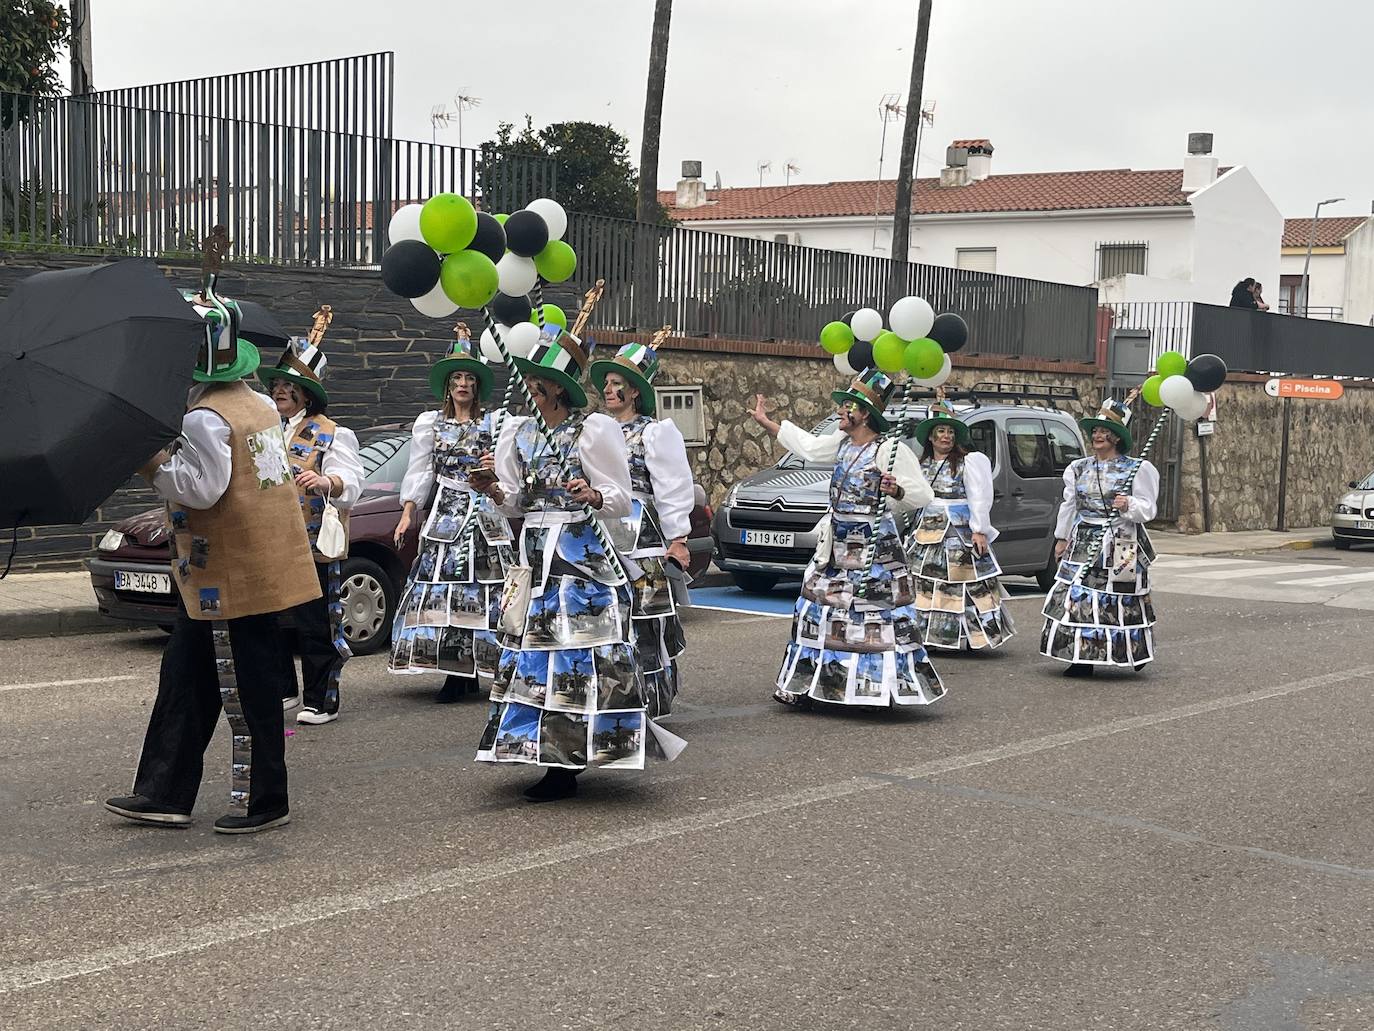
pixel 315 716
pixel 290 702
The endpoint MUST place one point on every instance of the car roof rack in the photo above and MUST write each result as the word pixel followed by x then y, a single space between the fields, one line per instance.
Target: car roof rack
pixel 996 390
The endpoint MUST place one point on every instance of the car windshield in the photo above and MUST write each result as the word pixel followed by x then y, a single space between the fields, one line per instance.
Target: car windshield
pixel 1366 484
pixel 384 455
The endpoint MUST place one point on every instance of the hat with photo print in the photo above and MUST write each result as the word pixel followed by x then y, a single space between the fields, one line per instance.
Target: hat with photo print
pixel 303 363
pixel 1114 417
pixel 871 391
pixel 638 363
pixel 560 357
pixel 463 356
pixel 942 414
pixel 224 357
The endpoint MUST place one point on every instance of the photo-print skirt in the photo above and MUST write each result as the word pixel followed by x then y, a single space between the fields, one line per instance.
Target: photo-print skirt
pixel 959 598
pixel 446 615
pixel 855 634
pixel 1100 613
pixel 569 691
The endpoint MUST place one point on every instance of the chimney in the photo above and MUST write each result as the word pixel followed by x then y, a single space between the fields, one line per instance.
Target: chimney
pixel 691 191
pixel 1199 167
pixel 955 172
pixel 966 161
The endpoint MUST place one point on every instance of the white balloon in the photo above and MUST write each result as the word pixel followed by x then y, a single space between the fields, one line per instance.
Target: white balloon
pixel 842 363
pixel 911 318
pixel 1193 407
pixel 521 339
pixel 938 380
pixel 405 224
pixel 435 304
pixel 516 275
pixel 490 351
pixel 866 324
pixel 1176 392
pixel 553 215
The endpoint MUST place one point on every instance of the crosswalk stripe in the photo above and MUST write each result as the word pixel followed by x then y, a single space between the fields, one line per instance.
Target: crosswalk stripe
pixel 1264 569
pixel 1330 581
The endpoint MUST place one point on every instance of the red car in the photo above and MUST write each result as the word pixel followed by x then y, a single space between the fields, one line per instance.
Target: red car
pixel 132 576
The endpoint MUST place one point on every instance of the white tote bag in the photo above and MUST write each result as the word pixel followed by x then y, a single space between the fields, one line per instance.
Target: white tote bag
pixel 331 542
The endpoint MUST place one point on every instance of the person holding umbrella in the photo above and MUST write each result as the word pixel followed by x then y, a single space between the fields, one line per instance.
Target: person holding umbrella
pixel 324 461
pixel 240 555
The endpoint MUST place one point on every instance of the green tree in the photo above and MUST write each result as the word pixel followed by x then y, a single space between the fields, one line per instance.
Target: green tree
pixel 31 34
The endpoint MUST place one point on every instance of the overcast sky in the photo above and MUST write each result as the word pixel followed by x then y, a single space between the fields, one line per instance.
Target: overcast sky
pixel 1286 87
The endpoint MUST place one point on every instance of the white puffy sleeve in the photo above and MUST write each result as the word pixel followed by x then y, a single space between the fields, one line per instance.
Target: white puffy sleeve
pixel 606 464
pixel 197 474
pixel 1069 506
pixel 419 476
pixel 665 453
pixel 509 472
pixel 1144 495
pixel 808 447
pixel 342 460
pixel 906 470
pixel 978 487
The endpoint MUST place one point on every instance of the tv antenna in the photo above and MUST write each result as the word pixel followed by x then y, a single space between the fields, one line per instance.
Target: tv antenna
pixel 440 115
pixel 764 166
pixel 792 169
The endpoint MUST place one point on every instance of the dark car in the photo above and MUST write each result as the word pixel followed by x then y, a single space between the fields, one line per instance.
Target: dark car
pixel 132 577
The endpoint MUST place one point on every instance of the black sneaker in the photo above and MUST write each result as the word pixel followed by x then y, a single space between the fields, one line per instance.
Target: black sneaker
pixel 557 783
pixel 1079 669
pixel 145 810
pixel 252 824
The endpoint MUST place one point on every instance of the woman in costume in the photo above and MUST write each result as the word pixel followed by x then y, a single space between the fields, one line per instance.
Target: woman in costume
pixel 446 616
pixel 656 530
pixel 958 595
pixel 1098 613
pixel 855 639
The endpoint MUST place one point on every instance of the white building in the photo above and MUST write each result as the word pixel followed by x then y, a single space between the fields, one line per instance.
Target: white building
pixel 1341 272
pixel 1187 233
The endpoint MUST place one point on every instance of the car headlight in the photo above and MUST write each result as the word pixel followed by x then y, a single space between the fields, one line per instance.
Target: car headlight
pixel 112 541
pixel 731 496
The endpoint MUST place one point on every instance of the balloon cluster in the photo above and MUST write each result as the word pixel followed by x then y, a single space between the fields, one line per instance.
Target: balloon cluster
pixel 918 341
pixel 1183 385
pixel 446 255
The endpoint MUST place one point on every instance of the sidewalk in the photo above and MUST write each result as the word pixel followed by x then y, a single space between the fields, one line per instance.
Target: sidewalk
pixel 47 604
pixel 1168 542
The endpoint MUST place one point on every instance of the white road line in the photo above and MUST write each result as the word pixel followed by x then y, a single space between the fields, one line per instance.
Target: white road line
pixel 221 932
pixel 73 683
pixel 741 612
pixel 1330 581
pixel 1199 560
pixel 1264 569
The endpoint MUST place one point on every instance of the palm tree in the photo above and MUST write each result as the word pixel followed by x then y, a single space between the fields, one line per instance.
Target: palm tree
pixel 901 215
pixel 646 208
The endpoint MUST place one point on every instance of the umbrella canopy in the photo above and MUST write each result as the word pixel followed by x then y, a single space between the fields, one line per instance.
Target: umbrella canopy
pixel 257 325
pixel 95 365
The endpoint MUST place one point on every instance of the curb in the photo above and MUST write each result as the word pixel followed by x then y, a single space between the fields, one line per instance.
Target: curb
pixel 16 626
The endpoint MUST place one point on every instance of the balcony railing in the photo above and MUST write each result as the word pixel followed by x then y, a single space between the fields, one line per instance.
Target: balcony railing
pixel 1330 314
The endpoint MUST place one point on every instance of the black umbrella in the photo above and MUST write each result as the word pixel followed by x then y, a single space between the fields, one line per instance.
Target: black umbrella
pixel 95 364
pixel 261 327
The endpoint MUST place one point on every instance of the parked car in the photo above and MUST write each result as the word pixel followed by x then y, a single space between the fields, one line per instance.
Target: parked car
pixel 132 578
pixel 1353 520
pixel 766 529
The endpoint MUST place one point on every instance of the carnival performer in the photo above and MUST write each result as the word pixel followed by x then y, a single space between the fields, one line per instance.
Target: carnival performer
pixel 240 555
pixel 656 530
pixel 958 595
pixel 446 617
pixel 1099 613
pixel 324 461
pixel 855 639
pixel 568 693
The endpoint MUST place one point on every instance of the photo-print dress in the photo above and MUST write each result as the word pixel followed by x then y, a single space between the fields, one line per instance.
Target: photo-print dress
pixel 855 639
pixel 959 598
pixel 446 615
pixel 568 690
pixel 1100 613
pixel 661 505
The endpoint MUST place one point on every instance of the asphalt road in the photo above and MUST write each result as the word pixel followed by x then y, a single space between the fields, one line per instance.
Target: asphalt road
pixel 1188 848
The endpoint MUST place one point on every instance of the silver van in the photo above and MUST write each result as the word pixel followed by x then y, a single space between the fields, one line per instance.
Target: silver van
pixel 766 529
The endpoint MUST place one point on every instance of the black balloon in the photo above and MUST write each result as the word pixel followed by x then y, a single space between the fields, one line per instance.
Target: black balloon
pixel 860 356
pixel 526 233
pixel 511 311
pixel 490 239
pixel 950 331
pixel 1206 372
pixel 848 315
pixel 410 268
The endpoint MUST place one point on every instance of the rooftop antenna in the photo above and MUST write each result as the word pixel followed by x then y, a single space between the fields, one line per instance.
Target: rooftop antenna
pixel 764 166
pixel 464 102
pixel 440 115
pixel 890 109
pixel 792 169
pixel 718 186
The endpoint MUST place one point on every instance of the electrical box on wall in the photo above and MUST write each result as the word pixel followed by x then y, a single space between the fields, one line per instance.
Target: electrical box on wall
pixel 684 406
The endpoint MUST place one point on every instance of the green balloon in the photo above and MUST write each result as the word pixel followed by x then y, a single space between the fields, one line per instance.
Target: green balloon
pixel 501 218
pixel 1171 363
pixel 553 316
pixel 469 279
pixel 556 262
pixel 923 358
pixel 888 351
pixel 1149 390
pixel 837 337
pixel 448 222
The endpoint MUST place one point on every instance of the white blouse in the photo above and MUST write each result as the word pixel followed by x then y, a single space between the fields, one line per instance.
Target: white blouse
pixel 197 474
pixel 340 459
pixel 600 450
pixel 419 477
pixel 906 469
pixel 1140 506
pixel 665 453
pixel 978 489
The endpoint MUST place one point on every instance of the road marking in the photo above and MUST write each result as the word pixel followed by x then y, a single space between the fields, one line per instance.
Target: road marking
pixel 1264 569
pixel 222 932
pixel 1198 560
pixel 752 613
pixel 72 683
pixel 1330 581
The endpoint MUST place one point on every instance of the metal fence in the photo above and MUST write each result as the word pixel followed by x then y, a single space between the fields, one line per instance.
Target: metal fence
pixel 711 284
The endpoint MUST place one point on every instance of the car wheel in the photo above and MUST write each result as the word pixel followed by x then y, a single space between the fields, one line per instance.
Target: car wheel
pixel 1045 578
pixel 1341 543
pixel 758 582
pixel 369 602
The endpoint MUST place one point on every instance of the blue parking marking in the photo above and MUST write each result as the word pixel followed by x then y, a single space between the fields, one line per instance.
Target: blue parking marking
pixel 732 599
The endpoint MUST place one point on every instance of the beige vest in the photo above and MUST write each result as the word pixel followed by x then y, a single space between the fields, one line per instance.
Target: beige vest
pixel 248 553
pixel 305 451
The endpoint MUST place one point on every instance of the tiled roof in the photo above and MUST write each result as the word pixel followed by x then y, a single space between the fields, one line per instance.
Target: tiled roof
pixel 1027 191
pixel 1331 232
pixel 984 144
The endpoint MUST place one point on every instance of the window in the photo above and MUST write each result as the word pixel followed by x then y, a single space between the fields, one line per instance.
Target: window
pixel 384 461
pixel 1029 448
pixel 1065 446
pixel 684 406
pixel 1120 259
pixel 976 259
pixel 1290 293
pixel 984 436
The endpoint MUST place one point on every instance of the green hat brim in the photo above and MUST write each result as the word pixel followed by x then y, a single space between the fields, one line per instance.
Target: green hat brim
pixel 245 365
pixel 441 370
pixel 576 393
pixel 961 433
pixel 1122 433
pixel 602 367
pixel 277 372
pixel 880 423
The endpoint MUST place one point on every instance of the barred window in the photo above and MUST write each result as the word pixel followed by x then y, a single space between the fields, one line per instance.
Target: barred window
pixel 1119 259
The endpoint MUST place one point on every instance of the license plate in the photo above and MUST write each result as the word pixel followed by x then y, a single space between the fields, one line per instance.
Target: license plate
pixel 768 538
pixel 1364 524
pixel 143 583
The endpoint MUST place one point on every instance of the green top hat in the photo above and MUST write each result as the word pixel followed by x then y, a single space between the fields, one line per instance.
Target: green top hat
pixel 638 363
pixel 871 392
pixel 1113 417
pixel 463 356
pixel 559 357
pixel 224 356
pixel 942 414
pixel 303 364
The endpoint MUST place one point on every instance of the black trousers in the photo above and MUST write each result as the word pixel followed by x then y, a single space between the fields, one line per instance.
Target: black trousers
pixel 321 661
pixel 187 712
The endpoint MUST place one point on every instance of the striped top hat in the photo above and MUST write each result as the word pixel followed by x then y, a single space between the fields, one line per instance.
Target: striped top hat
pixel 463 356
pixel 562 358
pixel 942 414
pixel 638 363
pixel 303 363
pixel 1115 416
pixel 224 357
pixel 871 391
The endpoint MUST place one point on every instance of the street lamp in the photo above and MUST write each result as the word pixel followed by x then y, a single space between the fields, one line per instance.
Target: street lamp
pixel 1311 239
